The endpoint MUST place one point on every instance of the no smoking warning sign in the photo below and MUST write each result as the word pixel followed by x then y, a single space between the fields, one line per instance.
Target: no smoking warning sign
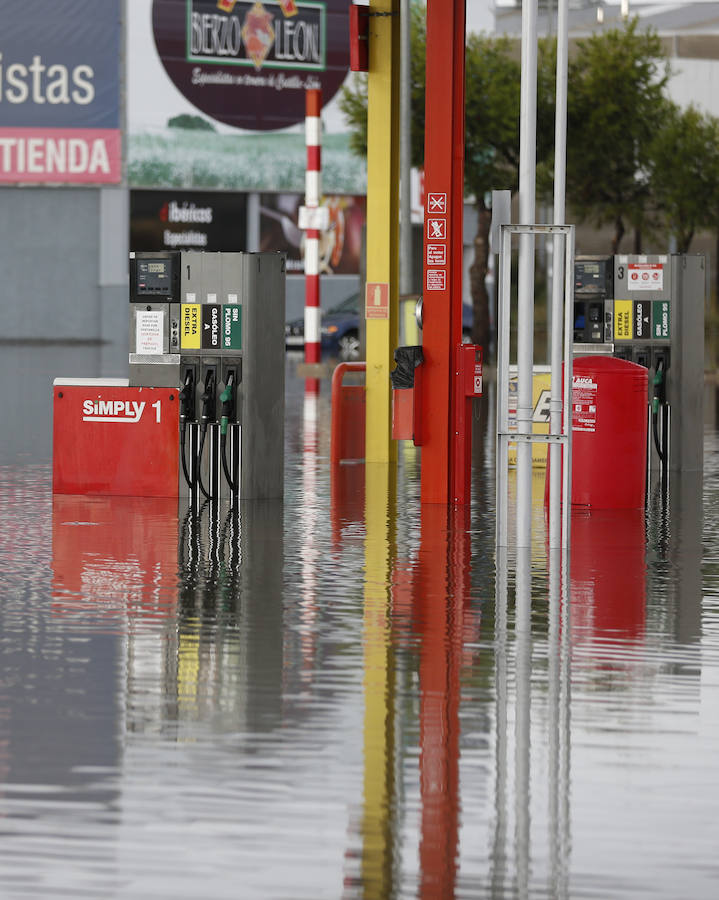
pixel 645 277
pixel 437 203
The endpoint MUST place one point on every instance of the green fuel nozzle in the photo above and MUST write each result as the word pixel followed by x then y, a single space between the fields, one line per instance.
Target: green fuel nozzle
pixel 659 388
pixel 228 404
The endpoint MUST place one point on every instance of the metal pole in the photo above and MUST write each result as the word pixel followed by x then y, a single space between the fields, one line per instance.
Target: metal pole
pixel 525 317
pixel 405 152
pixel 560 246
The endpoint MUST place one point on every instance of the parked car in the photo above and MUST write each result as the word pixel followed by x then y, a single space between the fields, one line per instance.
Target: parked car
pixel 340 329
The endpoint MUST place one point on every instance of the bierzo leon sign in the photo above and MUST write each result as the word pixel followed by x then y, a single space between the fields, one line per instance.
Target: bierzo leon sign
pixel 248 63
pixel 59 92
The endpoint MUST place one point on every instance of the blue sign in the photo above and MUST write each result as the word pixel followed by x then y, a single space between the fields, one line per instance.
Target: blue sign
pixel 60 64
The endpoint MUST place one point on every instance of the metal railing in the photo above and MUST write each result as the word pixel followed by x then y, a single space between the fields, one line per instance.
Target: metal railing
pixel 559 437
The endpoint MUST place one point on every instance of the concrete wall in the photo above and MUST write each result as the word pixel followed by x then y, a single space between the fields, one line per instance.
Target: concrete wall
pixel 63 265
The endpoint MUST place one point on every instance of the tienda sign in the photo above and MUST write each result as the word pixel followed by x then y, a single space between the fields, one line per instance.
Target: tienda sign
pixel 59 93
pixel 54 154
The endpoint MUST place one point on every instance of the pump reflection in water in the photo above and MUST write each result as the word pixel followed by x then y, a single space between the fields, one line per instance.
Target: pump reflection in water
pixel 230 619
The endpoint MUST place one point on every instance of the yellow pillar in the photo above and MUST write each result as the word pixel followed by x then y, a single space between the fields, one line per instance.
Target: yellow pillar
pixel 382 224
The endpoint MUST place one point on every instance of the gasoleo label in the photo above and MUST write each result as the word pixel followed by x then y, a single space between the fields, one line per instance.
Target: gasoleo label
pixel 191 328
pixel 623 314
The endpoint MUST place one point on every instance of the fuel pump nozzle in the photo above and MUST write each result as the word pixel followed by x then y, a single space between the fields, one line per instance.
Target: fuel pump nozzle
pixel 187 413
pixel 207 416
pixel 659 398
pixel 227 398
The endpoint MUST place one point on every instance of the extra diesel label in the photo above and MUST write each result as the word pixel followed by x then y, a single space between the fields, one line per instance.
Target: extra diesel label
pixel 623 312
pixel 190 330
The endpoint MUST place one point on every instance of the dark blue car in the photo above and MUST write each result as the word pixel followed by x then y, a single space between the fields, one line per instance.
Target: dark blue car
pixel 340 329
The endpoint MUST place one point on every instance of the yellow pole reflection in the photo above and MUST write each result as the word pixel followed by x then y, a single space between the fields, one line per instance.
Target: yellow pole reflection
pixel 379 684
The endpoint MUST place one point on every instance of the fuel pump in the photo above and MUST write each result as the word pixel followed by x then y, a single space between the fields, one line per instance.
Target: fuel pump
pixel 658 321
pixel 212 325
pixel 649 309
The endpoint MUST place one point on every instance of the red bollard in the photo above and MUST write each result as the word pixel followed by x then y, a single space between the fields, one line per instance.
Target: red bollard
pixel 347 434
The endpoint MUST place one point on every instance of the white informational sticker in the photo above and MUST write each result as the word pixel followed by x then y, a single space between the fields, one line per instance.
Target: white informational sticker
pixel 436 280
pixel 190 297
pixel 212 298
pixel 584 403
pixel 313 217
pixel 149 331
pixel 232 298
pixel 645 277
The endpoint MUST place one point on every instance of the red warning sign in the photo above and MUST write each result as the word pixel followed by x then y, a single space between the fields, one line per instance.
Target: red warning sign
pixel 436 255
pixel 437 203
pixel 645 277
pixel 437 229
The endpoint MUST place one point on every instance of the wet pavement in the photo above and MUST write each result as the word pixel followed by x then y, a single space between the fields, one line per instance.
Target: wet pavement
pixel 346 694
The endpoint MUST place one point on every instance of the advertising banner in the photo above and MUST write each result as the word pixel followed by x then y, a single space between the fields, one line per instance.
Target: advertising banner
pixel 216 94
pixel 188 220
pixel 60 92
pixel 248 63
pixel 340 244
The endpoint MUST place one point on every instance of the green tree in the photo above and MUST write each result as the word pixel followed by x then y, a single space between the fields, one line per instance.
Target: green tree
pixel 684 172
pixel 353 98
pixel 616 102
pixel 491 136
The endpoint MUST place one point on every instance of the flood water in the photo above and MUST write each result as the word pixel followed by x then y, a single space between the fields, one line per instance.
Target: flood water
pixel 346 695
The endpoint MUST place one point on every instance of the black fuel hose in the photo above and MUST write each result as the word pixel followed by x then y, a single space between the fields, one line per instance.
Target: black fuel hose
pixel 659 399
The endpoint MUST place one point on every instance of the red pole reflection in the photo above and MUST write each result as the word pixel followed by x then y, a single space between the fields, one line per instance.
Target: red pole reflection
pixel 442 591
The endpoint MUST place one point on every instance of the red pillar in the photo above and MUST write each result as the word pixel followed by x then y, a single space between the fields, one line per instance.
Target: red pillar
pixel 442 264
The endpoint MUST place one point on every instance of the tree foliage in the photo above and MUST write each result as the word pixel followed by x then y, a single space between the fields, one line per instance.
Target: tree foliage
pixel 615 107
pixel 684 172
pixel 634 159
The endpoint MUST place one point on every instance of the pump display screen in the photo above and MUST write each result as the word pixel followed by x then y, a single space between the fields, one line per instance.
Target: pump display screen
pixel 153 276
pixel 588 275
pixel 592 276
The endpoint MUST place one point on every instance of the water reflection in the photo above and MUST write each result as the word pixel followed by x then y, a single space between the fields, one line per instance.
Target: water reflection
pixel 349 695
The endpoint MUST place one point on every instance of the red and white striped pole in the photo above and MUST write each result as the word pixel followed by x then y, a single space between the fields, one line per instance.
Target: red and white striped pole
pixel 313 319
